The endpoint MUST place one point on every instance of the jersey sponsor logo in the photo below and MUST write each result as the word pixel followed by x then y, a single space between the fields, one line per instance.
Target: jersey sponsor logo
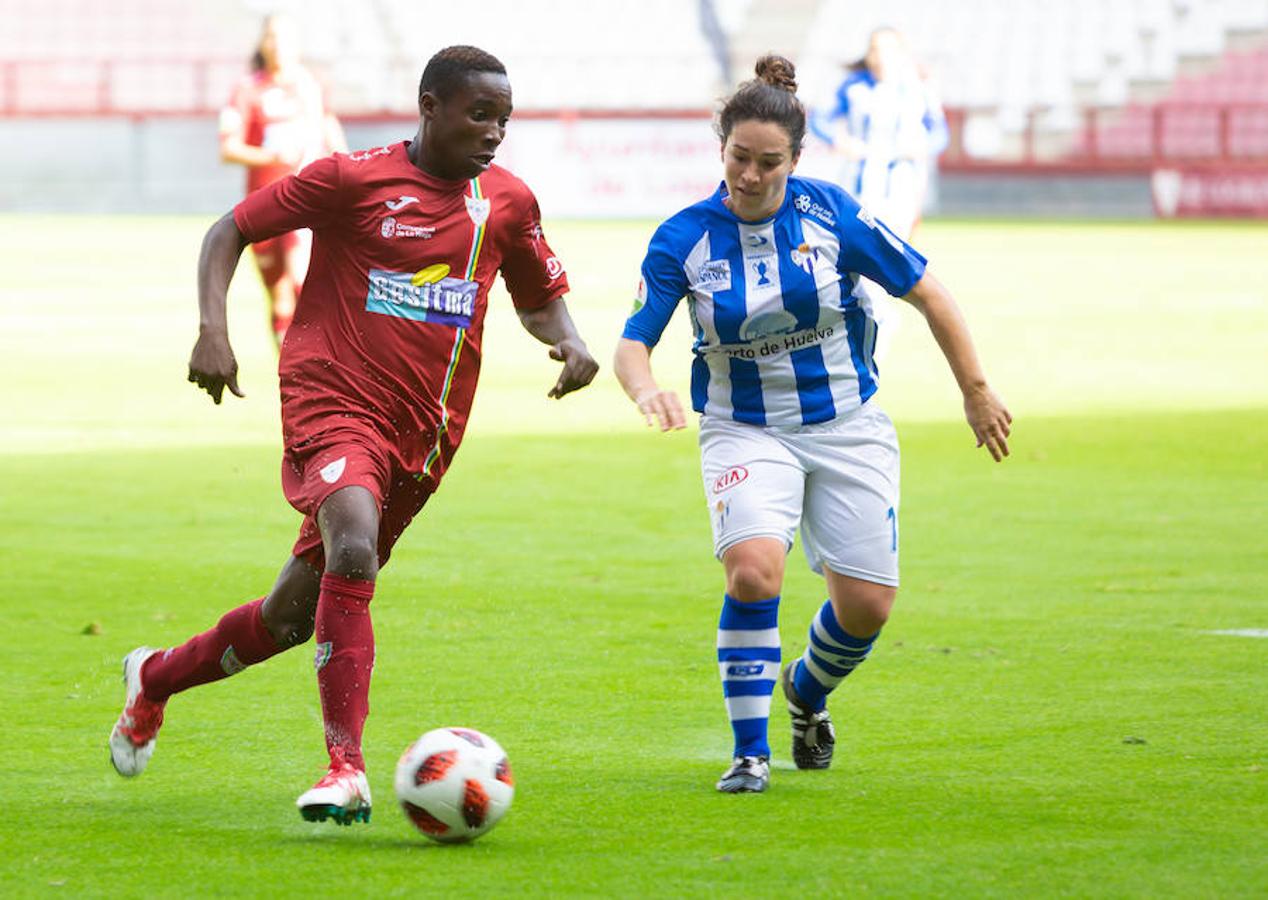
pixel 445 301
pixel 808 207
pixel 399 202
pixel 429 274
pixel 772 343
pixel 866 217
pixel 767 324
pixel 478 209
pixel 554 268
pixel 332 472
pixel 391 228
pixel 729 479
pixel 715 275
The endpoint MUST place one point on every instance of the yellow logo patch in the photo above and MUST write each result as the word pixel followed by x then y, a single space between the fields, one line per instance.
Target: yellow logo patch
pixel 430 274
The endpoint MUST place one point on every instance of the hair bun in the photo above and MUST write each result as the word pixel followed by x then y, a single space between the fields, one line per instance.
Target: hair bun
pixel 777 71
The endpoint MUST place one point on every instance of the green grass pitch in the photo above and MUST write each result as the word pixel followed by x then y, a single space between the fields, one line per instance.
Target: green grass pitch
pixel 1050 711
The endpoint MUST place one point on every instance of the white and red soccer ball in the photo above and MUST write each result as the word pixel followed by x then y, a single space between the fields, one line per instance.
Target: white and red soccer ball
pixel 454 784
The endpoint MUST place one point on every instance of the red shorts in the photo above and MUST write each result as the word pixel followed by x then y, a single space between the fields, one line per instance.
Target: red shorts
pixel 344 456
pixel 273 256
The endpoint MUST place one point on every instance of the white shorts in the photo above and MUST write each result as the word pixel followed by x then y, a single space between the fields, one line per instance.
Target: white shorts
pixel 838 480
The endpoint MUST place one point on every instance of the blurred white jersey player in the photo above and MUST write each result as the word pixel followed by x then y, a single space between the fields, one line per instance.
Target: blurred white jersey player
pixel 887 124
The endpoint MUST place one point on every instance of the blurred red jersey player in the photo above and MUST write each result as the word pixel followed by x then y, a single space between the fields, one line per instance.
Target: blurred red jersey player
pixel 377 377
pixel 276 123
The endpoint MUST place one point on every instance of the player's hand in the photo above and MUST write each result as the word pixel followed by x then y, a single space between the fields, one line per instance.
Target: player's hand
pixel 579 367
pixel 212 365
pixel 990 420
pixel 662 408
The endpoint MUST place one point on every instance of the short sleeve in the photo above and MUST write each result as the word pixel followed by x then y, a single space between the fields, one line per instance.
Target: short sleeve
pixel 533 274
pixel 662 285
pixel 869 248
pixel 310 198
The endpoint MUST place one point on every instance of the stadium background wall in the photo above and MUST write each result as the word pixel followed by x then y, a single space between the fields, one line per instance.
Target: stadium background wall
pixel 611 166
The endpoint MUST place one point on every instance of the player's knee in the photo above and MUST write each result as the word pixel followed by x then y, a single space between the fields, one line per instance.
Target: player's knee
pixel 353 556
pixel 753 578
pixel 864 610
pixel 293 633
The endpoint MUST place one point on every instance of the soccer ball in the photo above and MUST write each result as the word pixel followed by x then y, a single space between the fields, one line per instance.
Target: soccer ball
pixel 454 784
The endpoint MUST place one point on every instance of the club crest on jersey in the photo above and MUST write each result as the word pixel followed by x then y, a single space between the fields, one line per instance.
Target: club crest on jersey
pixel 805 257
pixel 554 268
pixel 478 209
pixel 715 275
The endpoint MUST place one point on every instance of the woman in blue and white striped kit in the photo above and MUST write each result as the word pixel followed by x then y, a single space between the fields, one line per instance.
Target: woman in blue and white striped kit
pixel 771 267
pixel 887 126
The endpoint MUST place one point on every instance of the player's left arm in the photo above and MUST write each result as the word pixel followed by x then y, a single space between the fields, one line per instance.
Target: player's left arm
pixel 536 281
pixel 986 413
pixel 552 324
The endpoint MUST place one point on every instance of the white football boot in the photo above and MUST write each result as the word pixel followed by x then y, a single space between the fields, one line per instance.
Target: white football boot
pixel 747 775
pixel 134 735
pixel 343 794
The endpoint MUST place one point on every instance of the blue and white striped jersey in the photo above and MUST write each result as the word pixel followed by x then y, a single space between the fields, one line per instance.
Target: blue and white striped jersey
pixel 783 331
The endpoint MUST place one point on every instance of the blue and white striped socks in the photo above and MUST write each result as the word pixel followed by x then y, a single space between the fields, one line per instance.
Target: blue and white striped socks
pixel 830 655
pixel 748 658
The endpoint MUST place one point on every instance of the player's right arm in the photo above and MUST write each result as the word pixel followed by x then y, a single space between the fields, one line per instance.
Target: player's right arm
pixel 662 285
pixel 212 365
pixel 633 367
pixel 311 199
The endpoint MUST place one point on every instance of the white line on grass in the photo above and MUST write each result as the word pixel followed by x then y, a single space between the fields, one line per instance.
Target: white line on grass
pixel 1243 632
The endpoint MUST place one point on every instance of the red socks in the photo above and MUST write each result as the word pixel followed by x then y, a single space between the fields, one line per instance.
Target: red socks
pixel 344 660
pixel 238 640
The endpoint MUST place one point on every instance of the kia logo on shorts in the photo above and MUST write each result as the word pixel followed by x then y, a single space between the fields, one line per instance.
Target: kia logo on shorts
pixel 729 479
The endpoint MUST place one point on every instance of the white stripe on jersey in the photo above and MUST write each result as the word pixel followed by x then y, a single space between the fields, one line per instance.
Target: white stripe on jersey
pixel 836 352
pixel 764 313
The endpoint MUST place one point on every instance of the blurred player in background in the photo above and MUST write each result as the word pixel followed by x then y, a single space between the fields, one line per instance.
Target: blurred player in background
pixel 782 376
pixel 276 123
pixel 887 124
pixel 377 379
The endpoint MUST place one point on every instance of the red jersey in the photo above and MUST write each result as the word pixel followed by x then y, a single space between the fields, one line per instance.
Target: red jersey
pixel 285 114
pixel 388 326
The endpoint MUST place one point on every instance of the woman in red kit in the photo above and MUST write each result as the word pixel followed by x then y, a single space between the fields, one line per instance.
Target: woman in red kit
pixel 275 123
pixel 377 376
